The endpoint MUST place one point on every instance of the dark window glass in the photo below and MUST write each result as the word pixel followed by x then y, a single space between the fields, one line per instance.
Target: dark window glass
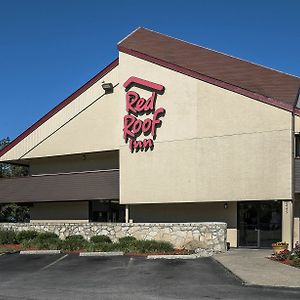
pixel 297 145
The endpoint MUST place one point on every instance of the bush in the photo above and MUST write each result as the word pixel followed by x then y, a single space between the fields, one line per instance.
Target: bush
pixel 74 242
pixel 296 250
pixel 153 246
pixel 7 237
pixel 127 240
pixel 45 240
pixel 296 263
pixel 99 239
pixel 26 235
pixel 104 247
pixel 47 235
pixel 127 244
pixel 46 244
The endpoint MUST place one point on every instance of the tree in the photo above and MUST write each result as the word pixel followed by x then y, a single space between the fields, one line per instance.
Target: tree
pixel 12 212
pixel 10 170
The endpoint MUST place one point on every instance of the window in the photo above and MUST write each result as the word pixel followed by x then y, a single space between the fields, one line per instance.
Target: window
pixel 297 145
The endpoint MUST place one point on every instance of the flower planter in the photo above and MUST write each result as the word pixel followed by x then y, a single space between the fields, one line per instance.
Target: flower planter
pixel 278 247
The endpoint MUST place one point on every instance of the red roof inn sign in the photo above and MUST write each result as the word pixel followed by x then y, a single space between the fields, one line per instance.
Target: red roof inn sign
pixel 137 107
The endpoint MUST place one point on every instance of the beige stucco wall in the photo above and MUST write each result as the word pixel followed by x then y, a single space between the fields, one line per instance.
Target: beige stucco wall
pixel 297 124
pixel 89 123
pixel 75 211
pixel 213 145
pixel 189 212
pixel 75 163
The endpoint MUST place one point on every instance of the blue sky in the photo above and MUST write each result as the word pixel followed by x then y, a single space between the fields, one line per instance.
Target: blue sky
pixel 48 49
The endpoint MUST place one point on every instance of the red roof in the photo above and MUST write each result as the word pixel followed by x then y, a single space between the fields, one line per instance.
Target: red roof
pixel 254 81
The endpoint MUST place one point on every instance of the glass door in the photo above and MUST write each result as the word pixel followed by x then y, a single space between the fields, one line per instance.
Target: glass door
pixel 259 223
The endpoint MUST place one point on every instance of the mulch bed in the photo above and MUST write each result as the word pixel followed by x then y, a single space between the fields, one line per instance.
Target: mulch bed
pixel 18 247
pixel 176 252
pixel 287 261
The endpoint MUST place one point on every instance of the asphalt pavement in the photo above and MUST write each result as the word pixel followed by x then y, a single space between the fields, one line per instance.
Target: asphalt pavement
pixel 66 276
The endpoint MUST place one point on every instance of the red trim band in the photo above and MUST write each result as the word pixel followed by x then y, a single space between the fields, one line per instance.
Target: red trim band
pixel 222 84
pixel 143 82
pixel 60 106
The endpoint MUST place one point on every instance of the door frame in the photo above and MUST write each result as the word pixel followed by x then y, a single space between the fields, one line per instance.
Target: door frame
pixel 257 203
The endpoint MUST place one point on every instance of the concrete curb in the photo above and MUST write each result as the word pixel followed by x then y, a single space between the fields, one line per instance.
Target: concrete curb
pixel 190 256
pixel 101 253
pixel 40 252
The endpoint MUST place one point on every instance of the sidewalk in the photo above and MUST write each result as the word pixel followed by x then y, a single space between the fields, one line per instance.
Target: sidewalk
pixel 253 268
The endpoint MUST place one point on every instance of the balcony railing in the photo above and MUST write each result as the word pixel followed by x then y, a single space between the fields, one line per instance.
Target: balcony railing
pixel 90 185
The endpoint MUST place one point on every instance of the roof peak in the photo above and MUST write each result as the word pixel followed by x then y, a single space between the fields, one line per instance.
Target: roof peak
pixel 209 49
pixel 241 76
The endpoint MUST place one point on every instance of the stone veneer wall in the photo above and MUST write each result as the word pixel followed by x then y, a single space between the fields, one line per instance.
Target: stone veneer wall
pixel 213 234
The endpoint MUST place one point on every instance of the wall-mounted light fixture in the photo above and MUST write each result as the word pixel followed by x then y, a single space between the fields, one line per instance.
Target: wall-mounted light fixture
pixel 108 87
pixel 225 205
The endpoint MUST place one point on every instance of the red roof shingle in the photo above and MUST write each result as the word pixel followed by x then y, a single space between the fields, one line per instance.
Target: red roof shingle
pixel 263 83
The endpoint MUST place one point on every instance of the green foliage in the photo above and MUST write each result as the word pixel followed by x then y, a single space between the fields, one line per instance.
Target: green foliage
pixel 14 213
pixel 45 240
pixel 47 235
pixel 7 237
pixel 127 244
pixel 104 247
pixel 99 239
pixel 9 170
pixel 74 242
pixel 153 246
pixel 296 262
pixel 127 240
pixel 26 235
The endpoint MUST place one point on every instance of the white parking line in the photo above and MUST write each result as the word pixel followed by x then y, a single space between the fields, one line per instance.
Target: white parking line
pixel 56 261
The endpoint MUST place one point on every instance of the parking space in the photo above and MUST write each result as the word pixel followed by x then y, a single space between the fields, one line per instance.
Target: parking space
pixel 72 277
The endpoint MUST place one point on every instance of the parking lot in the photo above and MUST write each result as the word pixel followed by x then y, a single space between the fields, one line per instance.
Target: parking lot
pixel 66 276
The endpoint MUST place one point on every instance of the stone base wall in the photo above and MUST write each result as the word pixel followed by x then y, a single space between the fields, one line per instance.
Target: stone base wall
pixel 212 234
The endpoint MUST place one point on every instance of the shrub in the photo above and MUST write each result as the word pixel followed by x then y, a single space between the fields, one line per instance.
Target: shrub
pixel 296 263
pixel 128 240
pixel 127 244
pixel 74 242
pixel 26 235
pixel 105 247
pixel 45 240
pixel 47 235
pixel 99 239
pixel 296 250
pixel 47 244
pixel 7 237
pixel 154 246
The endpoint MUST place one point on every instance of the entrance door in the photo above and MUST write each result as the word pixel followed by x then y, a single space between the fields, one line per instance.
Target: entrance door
pixel 259 223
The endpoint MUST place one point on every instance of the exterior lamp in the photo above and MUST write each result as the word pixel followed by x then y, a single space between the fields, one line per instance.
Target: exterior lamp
pixel 225 205
pixel 108 87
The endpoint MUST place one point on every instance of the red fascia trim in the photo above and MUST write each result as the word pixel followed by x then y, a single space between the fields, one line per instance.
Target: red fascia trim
pixel 143 82
pixel 222 84
pixel 297 111
pixel 60 106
